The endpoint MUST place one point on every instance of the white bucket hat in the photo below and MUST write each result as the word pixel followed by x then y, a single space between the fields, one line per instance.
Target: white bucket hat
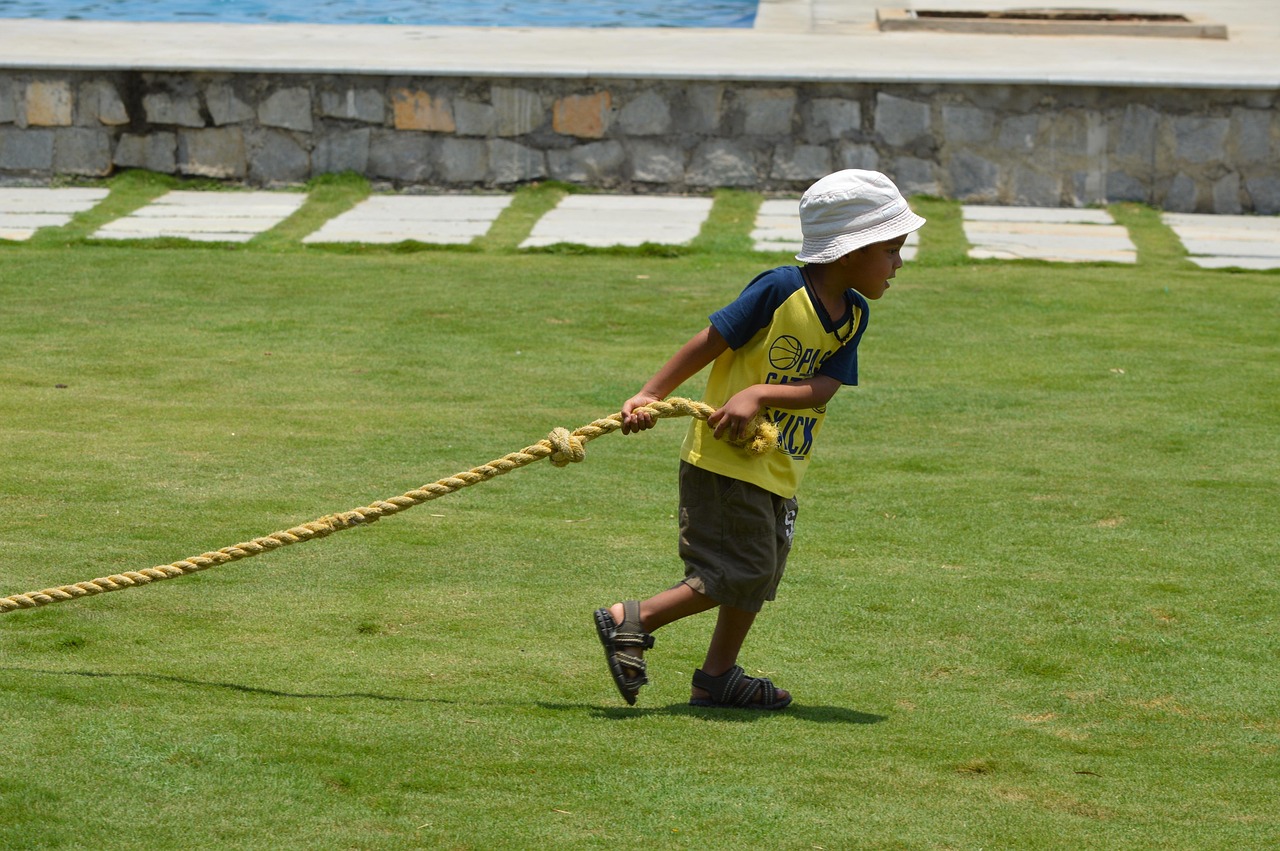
pixel 851 209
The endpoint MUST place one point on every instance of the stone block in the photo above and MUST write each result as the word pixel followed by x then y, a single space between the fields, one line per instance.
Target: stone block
pixel 511 162
pixel 1264 193
pixel 851 155
pixel 474 119
pixel 767 112
pixel 914 176
pixel 400 156
pixel 26 150
pixel 341 150
pixel 288 109
pixel 8 101
pixel 827 119
pixel 48 103
pixel 1251 135
pixel 218 152
pixel 1031 188
pixel 277 157
pixel 1067 132
pixel 967 125
pixel 224 106
pixel 156 152
pixel 419 110
pixel 1181 195
pixel 1226 195
pixel 973 178
pixel 366 105
pixel 900 121
pixel 656 162
pixel 723 163
pixel 702 109
pixel 1136 134
pixel 463 160
pixel 1122 186
pixel 1019 133
pixel 519 111
pixel 82 150
pixel 583 116
pixel 647 115
pixel 598 163
pixel 1200 139
pixel 800 162
pixel 98 103
pixel 182 110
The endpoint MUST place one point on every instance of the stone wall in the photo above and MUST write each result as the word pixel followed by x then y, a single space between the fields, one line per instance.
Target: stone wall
pixel 1185 150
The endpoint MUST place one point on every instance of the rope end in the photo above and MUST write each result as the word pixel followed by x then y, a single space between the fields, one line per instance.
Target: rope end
pixel 762 440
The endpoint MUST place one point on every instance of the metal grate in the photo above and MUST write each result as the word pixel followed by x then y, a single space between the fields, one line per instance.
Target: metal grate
pixel 1050 22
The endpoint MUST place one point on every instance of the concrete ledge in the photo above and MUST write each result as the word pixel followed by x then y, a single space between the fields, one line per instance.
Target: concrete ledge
pixel 830 54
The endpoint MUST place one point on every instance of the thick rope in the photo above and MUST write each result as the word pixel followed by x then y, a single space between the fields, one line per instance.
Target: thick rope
pixel 561 446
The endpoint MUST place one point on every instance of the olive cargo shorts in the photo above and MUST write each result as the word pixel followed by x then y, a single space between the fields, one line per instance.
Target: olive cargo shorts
pixel 734 537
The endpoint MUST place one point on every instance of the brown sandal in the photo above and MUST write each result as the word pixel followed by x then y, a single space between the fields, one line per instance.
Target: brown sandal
pixel 735 690
pixel 629 633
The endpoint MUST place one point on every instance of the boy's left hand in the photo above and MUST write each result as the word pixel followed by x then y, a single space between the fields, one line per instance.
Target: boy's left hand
pixel 733 418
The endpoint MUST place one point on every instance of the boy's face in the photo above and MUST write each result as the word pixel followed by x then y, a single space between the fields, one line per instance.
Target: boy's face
pixel 869 269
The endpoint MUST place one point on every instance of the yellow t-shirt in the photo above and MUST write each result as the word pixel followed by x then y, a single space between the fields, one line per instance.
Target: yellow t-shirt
pixel 777 332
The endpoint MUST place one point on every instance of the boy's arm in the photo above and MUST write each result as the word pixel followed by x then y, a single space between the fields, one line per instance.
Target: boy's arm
pixel 733 417
pixel 702 349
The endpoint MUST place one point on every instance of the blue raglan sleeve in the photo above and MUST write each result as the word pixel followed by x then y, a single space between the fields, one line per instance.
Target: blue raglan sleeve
pixel 753 309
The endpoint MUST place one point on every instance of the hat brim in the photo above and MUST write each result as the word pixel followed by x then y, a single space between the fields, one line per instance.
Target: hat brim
pixel 832 248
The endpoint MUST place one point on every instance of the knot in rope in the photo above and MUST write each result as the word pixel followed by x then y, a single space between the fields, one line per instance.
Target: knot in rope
pixel 566 447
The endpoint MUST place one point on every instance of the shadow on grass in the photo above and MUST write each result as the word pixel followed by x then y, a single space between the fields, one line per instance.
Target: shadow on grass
pixel 187 681
pixel 814 714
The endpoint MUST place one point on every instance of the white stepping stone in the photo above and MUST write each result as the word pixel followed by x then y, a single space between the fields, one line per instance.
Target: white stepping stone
pixel 777 228
pixel 206 216
pixel 436 219
pixel 1060 235
pixel 1221 242
pixel 608 220
pixel 1043 215
pixel 24 210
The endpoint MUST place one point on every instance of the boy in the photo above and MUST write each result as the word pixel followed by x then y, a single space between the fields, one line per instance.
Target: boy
pixel 782 349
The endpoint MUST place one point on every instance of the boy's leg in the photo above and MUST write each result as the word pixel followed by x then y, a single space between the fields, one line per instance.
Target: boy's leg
pixel 667 606
pixel 732 627
pixel 625 628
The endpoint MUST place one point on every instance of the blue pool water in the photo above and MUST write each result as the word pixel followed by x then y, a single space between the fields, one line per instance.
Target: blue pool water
pixel 482 13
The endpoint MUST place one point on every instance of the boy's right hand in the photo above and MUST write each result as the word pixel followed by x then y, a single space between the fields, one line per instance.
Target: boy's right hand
pixel 635 417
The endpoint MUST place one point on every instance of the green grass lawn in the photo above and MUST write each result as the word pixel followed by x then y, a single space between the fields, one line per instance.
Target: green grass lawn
pixel 1033 600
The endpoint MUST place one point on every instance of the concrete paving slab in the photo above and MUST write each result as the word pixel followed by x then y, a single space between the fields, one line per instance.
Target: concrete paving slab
pixel 996 252
pixel 1258 264
pixel 1268 227
pixel 1221 242
pixel 205 200
pixel 435 219
pixel 24 210
pixel 994 213
pixel 32 221
pixel 205 216
pixel 1042 233
pixel 41 200
pixel 190 224
pixel 608 220
pixel 1232 248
